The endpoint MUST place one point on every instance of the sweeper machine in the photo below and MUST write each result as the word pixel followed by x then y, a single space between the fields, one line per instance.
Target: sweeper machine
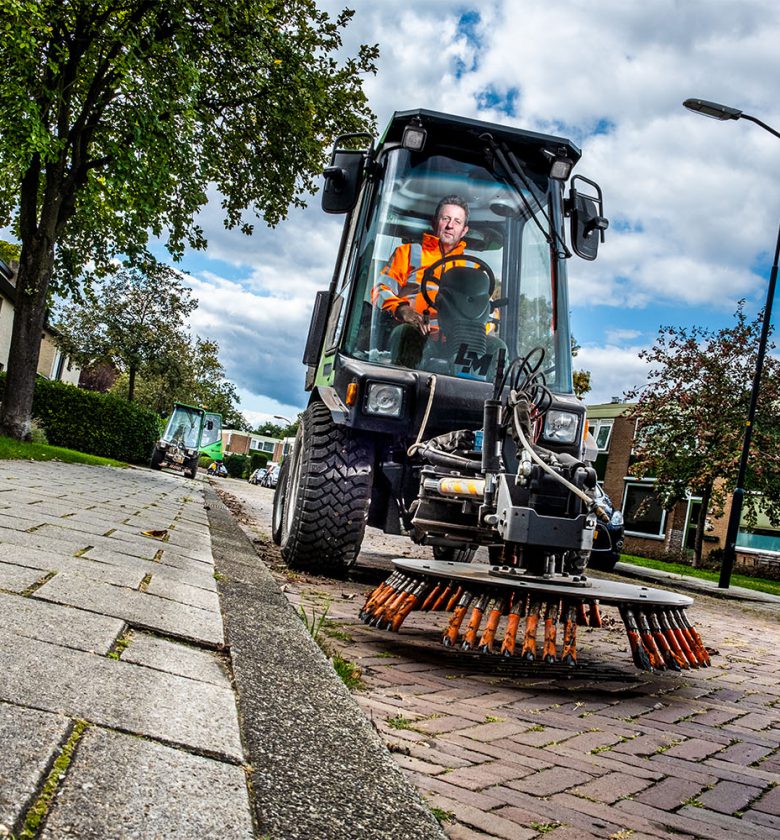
pixel 471 437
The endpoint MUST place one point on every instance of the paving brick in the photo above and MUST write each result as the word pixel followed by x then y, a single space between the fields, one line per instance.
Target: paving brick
pixel 585 742
pixel 728 797
pixel 494 731
pixel 552 780
pixel 487 774
pixel 646 745
pixel 769 803
pixel 611 787
pixel 440 785
pixel 694 750
pixel 541 737
pixel 526 808
pixel 756 721
pixel 669 793
pixel 744 753
pixel 767 821
pixel 716 717
pixel 700 827
pixel 491 824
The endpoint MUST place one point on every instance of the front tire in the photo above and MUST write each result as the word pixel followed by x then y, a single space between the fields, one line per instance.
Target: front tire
pixel 327 493
pixel 280 498
pixel 158 456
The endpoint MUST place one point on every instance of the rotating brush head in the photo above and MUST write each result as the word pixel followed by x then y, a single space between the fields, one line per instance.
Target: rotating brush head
pixel 659 633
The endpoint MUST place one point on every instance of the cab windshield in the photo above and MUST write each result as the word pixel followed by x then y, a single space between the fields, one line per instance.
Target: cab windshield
pixel 184 427
pixel 494 293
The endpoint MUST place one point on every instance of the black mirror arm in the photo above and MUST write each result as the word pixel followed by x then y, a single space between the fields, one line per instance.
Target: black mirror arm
pixel 598 223
pixel 336 173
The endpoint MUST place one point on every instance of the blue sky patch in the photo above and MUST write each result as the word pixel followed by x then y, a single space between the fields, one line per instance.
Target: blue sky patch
pixel 493 99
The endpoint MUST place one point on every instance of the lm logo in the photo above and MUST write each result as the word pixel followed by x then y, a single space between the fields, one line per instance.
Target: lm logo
pixel 472 362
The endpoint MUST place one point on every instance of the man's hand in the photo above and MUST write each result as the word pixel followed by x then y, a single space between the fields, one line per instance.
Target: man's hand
pixel 407 315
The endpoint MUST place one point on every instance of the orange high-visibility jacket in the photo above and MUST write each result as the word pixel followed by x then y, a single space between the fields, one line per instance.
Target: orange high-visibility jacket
pixel 397 287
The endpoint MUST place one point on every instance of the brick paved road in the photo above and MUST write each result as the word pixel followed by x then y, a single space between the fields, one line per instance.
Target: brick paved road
pixel 511 752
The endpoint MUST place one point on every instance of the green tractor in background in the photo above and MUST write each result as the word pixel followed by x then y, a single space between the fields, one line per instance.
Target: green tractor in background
pixel 189 433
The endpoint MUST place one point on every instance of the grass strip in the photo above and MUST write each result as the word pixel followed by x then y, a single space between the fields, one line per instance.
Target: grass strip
pixel 772 587
pixel 16 450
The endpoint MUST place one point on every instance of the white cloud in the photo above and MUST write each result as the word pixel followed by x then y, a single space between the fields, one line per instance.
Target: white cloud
pixel 693 213
pixel 614 371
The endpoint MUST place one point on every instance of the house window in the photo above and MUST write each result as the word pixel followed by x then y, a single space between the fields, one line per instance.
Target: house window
pixel 602 432
pixel 642 512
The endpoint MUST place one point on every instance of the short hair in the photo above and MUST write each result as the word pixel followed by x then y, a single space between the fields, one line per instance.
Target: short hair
pixel 457 201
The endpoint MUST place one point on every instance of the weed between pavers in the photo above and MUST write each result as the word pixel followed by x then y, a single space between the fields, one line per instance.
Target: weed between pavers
pixel 442 816
pixel 40 808
pixel 26 593
pixel 120 645
pixel 349 673
pixel 544 828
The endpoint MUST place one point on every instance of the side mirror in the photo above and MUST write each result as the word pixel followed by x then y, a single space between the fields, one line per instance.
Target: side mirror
pixel 588 222
pixel 210 425
pixel 344 176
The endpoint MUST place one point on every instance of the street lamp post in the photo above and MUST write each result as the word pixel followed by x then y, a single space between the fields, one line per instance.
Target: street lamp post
pixel 724 112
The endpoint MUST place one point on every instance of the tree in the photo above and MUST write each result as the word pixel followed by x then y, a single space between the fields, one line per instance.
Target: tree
pixel 691 418
pixel 580 378
pixel 118 118
pixel 190 372
pixel 134 318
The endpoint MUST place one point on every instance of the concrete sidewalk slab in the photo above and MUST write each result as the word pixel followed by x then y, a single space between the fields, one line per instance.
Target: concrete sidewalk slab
pixel 30 739
pixel 121 787
pixel 141 609
pixel 120 695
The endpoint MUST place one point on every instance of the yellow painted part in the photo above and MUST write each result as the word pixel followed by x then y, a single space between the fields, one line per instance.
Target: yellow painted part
pixel 461 487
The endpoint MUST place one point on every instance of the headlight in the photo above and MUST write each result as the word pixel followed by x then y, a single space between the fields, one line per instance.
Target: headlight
pixel 617 518
pixel 384 399
pixel 560 426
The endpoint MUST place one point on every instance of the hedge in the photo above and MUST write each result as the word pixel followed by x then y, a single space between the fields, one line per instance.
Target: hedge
pixel 91 422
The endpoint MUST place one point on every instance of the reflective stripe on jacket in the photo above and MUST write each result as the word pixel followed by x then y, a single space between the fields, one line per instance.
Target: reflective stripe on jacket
pixel 397 286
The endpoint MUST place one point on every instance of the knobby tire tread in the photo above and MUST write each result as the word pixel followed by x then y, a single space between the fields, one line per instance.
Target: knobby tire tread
pixel 334 492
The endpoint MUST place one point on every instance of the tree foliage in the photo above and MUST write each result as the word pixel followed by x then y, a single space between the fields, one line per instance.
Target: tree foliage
pixel 190 372
pixel 120 118
pixel 691 419
pixel 131 320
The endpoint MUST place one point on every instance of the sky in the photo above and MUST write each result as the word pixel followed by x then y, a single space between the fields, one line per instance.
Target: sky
pixel 693 203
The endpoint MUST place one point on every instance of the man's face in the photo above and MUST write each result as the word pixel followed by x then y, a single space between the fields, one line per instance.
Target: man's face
pixel 450 226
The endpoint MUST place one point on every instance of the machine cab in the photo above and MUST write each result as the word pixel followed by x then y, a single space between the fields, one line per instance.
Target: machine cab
pixel 505 289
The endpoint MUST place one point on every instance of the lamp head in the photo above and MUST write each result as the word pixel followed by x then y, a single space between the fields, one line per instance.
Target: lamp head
pixel 712 109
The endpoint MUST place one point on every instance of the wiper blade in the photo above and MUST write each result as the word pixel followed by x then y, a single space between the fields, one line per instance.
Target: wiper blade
pixel 518 179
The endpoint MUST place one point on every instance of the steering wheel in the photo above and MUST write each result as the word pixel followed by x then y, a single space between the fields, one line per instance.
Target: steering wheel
pixel 479 264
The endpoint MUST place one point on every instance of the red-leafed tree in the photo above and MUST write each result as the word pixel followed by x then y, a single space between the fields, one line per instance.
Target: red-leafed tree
pixel 691 420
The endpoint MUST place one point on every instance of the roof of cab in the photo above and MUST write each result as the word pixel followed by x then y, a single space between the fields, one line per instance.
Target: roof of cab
pixel 450 129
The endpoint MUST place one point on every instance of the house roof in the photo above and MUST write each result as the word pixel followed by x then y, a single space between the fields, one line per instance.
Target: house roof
pixel 606 411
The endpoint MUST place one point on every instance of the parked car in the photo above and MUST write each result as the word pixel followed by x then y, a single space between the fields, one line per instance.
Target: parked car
pixel 258 475
pixel 608 536
pixel 218 469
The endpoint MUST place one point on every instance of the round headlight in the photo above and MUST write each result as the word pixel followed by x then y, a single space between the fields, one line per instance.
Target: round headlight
pixel 384 399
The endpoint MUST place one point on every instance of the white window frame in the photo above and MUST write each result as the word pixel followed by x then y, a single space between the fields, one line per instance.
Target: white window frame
pixel 629 482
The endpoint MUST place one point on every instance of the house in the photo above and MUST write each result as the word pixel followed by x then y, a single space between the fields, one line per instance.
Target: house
pixel 52 364
pixel 651 530
pixel 239 442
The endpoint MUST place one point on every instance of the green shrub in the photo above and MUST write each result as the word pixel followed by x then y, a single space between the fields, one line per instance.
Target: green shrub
pixel 91 422
pixel 237 465
pixel 257 460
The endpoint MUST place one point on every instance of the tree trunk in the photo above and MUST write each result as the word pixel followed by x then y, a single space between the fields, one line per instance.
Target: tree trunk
pixel 700 525
pixel 130 383
pixel 32 286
